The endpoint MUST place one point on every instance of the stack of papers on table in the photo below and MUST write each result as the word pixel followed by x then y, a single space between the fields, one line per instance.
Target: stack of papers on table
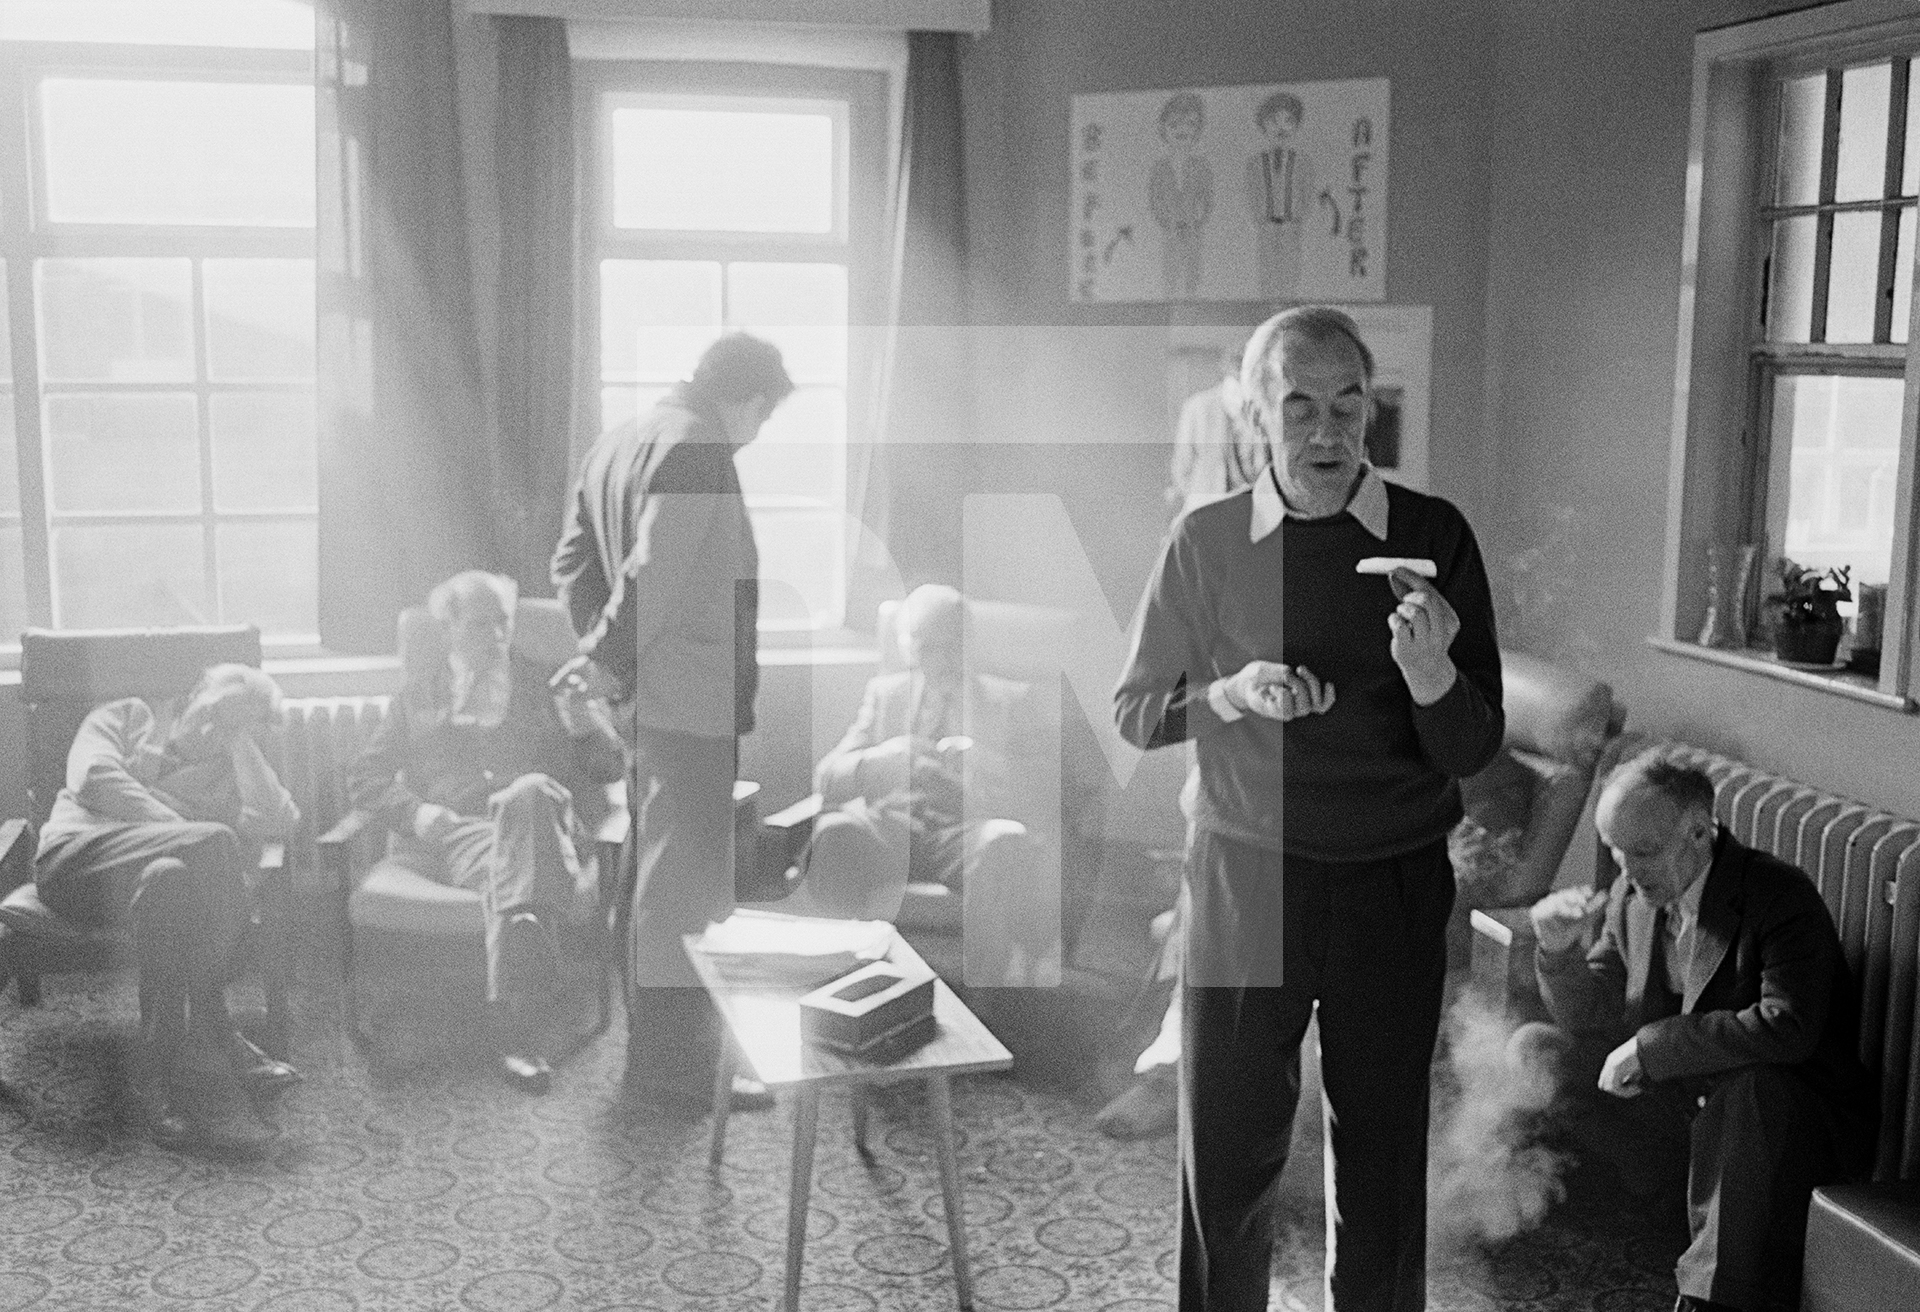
pixel 770 948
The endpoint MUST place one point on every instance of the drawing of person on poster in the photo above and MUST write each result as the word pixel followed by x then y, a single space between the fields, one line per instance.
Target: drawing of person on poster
pixel 1280 192
pixel 1180 194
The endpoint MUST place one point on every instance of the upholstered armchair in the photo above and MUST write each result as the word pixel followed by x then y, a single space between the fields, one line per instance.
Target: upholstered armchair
pixel 64 674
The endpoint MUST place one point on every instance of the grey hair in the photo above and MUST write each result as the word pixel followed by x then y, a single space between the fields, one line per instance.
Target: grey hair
pixel 1320 324
pixel 1688 787
pixel 255 684
pixel 450 598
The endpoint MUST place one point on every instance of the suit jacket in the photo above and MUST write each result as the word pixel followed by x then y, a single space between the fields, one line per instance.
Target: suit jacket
pixel 658 569
pixel 1766 983
pixel 996 713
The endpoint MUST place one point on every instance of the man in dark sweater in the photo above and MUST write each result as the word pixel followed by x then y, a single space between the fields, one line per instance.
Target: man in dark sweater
pixel 1333 711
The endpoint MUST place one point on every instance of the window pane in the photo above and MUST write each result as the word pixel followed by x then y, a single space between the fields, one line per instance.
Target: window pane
pixel 1790 297
pixel 268 576
pixel 656 317
pixel 619 404
pixel 13 586
pixel 6 334
pixel 178 152
pixel 801 552
pixel 260 24
pixel 1853 280
pixel 259 319
pixel 704 170
pixel 1803 106
pixel 1903 276
pixel 800 308
pixel 1842 437
pixel 126 453
pixel 129 574
pixel 801 453
pixel 9 458
pixel 1864 92
pixel 115 321
pixel 1910 170
pixel 263 451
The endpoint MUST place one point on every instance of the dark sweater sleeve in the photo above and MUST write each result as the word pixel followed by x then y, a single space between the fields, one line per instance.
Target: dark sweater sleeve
pixel 1162 695
pixel 1461 733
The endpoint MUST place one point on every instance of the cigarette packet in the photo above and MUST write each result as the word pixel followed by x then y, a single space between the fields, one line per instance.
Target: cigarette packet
pixel 1420 565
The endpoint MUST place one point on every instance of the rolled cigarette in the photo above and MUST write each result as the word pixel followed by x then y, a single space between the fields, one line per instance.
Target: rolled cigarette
pixel 1425 568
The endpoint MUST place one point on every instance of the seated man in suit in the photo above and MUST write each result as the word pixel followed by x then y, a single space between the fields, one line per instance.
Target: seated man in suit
pixel 1715 989
pixel 931 784
pixel 475 770
pixel 163 813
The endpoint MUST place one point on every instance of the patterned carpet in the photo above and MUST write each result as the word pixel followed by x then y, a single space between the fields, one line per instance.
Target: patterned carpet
pixel 442 1189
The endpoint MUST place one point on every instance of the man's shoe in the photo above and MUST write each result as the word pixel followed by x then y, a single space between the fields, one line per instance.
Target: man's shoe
pixel 261 1073
pixel 1145 1109
pixel 525 1073
pixel 168 1126
pixel 233 1130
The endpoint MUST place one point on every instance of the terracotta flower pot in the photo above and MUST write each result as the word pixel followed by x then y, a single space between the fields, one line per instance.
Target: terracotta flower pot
pixel 1808 644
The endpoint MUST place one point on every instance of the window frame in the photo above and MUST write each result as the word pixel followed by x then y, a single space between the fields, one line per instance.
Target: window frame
pixel 858 243
pixel 27 237
pixel 1721 458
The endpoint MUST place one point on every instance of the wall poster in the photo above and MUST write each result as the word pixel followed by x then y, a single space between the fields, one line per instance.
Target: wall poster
pixel 1257 193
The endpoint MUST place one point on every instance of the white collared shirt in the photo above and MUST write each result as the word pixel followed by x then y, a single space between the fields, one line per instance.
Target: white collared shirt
pixel 1682 918
pixel 1368 504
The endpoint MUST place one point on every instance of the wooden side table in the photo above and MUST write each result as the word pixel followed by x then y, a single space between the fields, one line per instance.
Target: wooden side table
pixel 764 1024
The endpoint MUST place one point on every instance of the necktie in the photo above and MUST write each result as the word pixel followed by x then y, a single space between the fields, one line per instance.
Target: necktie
pixel 1661 973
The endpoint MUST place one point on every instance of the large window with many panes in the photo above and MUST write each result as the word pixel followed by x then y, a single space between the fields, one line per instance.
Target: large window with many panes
pixel 722 200
pixel 157 461
pixel 1796 413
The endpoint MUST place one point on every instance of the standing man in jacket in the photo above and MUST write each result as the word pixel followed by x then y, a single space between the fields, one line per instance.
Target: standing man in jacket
pixel 658 569
pixel 1333 710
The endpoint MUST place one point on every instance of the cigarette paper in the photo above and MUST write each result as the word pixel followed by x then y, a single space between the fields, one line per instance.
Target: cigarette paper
pixel 1425 568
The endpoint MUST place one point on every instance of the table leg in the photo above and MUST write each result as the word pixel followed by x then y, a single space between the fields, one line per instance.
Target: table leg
pixel 942 1092
pixel 806 1113
pixel 722 1100
pixel 858 1092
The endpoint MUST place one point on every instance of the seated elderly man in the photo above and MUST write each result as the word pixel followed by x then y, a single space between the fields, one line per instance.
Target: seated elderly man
pixel 162 813
pixel 475 770
pixel 1711 1002
pixel 933 784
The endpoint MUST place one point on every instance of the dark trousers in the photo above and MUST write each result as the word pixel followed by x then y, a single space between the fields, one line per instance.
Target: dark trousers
pixel 684 881
pixel 1752 1143
pixel 1269 938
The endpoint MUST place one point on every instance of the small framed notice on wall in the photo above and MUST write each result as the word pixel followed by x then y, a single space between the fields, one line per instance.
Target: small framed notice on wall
pixel 1256 193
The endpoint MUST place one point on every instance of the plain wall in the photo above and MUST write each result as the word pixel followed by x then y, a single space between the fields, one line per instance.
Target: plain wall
pixel 1585 218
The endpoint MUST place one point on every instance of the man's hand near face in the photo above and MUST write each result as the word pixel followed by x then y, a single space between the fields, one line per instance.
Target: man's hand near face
pixel 1423 627
pixel 1621 1074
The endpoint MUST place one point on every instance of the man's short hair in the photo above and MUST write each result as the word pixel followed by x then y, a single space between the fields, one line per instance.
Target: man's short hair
pixel 244 680
pixel 453 597
pixel 740 366
pixel 1183 104
pixel 1320 324
pixel 1280 102
pixel 1688 787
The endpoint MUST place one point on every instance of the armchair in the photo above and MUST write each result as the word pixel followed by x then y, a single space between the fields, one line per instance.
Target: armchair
pixel 63 676
pixel 1009 640
pixel 397 923
pixel 1522 814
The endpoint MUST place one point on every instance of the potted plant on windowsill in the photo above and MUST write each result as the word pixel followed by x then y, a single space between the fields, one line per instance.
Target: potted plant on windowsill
pixel 1807 619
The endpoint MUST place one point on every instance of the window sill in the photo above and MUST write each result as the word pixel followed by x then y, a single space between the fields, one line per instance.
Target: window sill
pixel 1842 683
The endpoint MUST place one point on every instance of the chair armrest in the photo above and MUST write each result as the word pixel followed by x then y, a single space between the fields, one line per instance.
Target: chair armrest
pixel 783 839
pixel 16 855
